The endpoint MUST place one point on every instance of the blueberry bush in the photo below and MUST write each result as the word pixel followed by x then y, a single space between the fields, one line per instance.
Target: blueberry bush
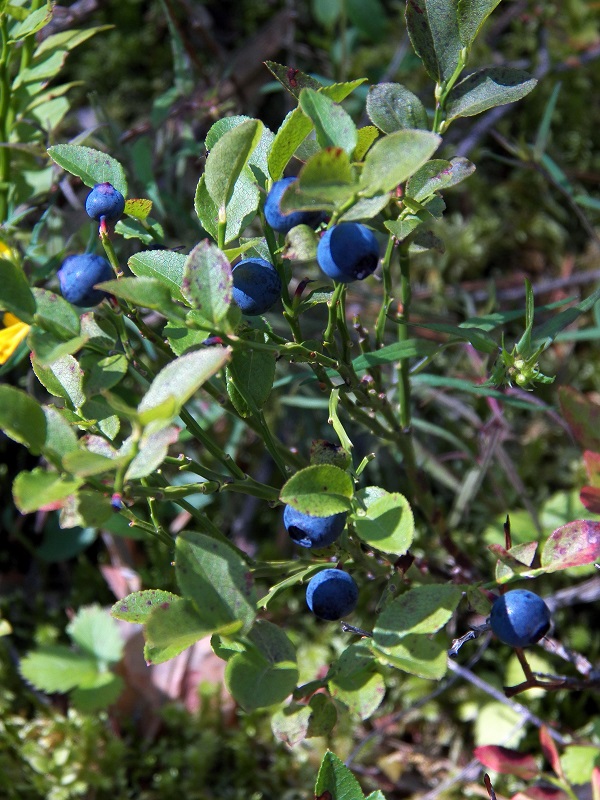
pixel 278 372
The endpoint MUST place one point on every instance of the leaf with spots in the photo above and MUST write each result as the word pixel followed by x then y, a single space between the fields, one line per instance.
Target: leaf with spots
pixel 138 606
pixel 207 281
pixel 90 165
pixel 572 545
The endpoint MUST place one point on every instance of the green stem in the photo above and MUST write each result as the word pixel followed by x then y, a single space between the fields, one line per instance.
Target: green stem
pixel 136 522
pixel 387 294
pixel 328 336
pixel 222 457
pixel 5 94
pixel 270 443
pixel 442 90
pixel 403 333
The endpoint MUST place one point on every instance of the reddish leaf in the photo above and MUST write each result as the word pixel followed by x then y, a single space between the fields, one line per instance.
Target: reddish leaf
pixel 590 498
pixel 572 545
pixel 550 751
pixel 507 761
pixel 541 793
pixel 592 465
pixel 582 415
pixel 596 783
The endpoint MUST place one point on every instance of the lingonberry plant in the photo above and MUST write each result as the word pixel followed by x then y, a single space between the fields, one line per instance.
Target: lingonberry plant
pixel 233 325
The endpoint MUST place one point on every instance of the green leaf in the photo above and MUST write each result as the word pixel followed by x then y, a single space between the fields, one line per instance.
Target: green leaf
pixel 227 159
pixel 292 132
pixel 207 281
pixel 433 31
pixel 319 490
pixel 402 228
pixel 173 626
pixel 86 509
pixel 22 418
pixel 296 127
pixel 54 314
pixel 250 375
pixel 62 378
pixel 218 582
pixel 418 655
pixel 471 16
pixel 326 180
pixel 290 724
pixel 90 165
pixel 395 158
pixel 164 265
pixel 294 80
pixel 578 762
pixel 240 211
pixel 47 348
pixel 138 606
pixel 334 126
pixel 424 609
pixel 83 463
pixel 179 380
pixel 392 107
pixel 60 437
pixel 102 373
pixel 437 175
pixel 152 451
pixel 335 777
pixel 354 679
pixel 391 353
pixel 93 630
pixel 387 524
pixel 326 175
pixel 488 88
pixel 366 137
pixel 572 545
pixel 55 668
pixel 258 158
pixel 34 22
pixel 15 294
pixel 37 489
pixel 266 672
pixel 143 292
pixel 99 693
pixel 300 244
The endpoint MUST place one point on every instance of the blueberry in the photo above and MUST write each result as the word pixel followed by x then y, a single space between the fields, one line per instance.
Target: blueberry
pixel 332 594
pixel 284 222
pixel 520 618
pixel 348 252
pixel 256 286
pixel 79 274
pixel 310 531
pixel 105 201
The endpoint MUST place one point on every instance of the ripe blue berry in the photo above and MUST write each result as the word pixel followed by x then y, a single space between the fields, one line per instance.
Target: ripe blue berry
pixel 79 274
pixel 284 222
pixel 520 618
pixel 310 531
pixel 348 252
pixel 332 594
pixel 105 201
pixel 256 286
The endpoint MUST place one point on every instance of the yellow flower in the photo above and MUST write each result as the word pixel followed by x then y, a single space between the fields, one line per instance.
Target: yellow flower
pixel 11 336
